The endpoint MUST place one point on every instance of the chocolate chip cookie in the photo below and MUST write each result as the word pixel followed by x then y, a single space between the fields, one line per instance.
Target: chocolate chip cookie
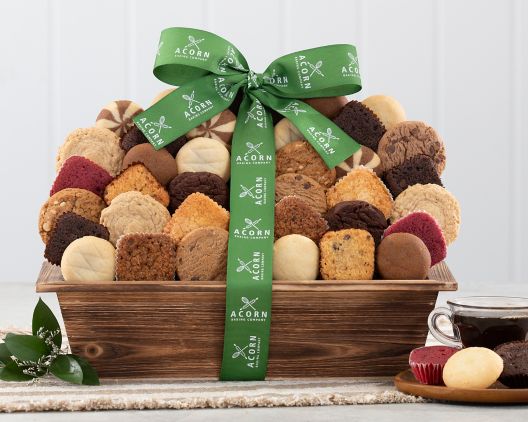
pixel 304 187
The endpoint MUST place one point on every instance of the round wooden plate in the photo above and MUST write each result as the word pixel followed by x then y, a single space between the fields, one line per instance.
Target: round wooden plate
pixel 406 383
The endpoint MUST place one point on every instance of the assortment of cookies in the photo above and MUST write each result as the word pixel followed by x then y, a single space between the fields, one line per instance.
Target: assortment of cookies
pixel 119 209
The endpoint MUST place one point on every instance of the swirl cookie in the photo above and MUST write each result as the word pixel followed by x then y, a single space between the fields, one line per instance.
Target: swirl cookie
pixel 80 201
pixel 362 157
pixel 361 124
pixel 160 163
pixel 219 127
pixel 133 212
pixel 363 185
pixel 389 111
pixel 98 145
pixel 204 154
pixel 285 132
pixel 207 183
pixel 117 116
pixel 327 106
pixel 357 215
pixel 433 199
pixel 347 255
pixel 295 257
pixel 409 139
pixel 202 255
pixel 197 210
pixel 300 157
pixel 304 187
pixel 136 178
pixel 88 258
pixel 418 169
pixel 294 216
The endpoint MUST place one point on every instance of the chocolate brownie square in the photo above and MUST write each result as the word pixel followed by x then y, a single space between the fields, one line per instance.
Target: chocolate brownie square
pixel 419 169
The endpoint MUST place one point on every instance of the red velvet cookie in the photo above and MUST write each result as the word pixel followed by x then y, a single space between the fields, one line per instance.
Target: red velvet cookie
pixel 427 363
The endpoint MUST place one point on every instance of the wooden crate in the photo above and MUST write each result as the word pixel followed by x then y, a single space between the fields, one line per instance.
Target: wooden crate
pixel 175 329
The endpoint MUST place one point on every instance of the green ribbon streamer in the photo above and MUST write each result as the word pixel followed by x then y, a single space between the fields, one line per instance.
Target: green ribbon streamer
pixel 209 71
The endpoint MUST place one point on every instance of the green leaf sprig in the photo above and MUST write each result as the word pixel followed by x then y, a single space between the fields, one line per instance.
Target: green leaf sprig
pixel 29 357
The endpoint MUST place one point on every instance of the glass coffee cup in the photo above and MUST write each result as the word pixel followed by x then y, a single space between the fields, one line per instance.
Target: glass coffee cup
pixel 483 321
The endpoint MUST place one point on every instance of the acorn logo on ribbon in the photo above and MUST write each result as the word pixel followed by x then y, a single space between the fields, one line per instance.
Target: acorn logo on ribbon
pixel 251 230
pixel 250 353
pixel 307 70
pixel 324 139
pixel 192 50
pixel 292 107
pixel 153 129
pixel 248 311
pixel 253 155
pixel 280 81
pixel 196 108
pixel 257 115
pixel 255 192
pixel 352 69
pixel 230 60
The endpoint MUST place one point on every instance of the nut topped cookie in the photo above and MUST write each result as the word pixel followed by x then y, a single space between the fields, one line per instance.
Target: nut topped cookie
pixel 304 187
pixel 294 216
pixel 117 116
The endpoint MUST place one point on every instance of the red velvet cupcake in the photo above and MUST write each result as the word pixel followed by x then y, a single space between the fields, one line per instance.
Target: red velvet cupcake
pixel 427 363
pixel 79 172
pixel 424 226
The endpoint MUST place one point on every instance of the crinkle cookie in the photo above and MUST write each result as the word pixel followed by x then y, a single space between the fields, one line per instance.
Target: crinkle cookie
pixel 294 216
pixel 80 201
pixel 409 139
pixel 433 199
pixel 97 144
pixel 304 187
pixel 363 185
pixel 133 212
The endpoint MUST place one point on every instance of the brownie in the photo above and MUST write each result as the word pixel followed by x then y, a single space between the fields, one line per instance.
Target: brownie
pixel 361 124
pixel 135 137
pixel 418 169
pixel 209 184
pixel 515 357
pixel 145 256
pixel 70 227
pixel 357 215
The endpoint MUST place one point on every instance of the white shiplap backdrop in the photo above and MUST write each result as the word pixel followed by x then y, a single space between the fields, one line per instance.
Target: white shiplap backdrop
pixel 459 65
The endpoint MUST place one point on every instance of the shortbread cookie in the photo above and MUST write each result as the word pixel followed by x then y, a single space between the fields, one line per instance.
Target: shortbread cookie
pixel 357 215
pixel 300 157
pixel 69 227
pixel 294 216
pixel 363 185
pixel 136 178
pixel 97 144
pixel 388 110
pixel 88 259
pixel 160 163
pixel 197 210
pixel 133 212
pixel 295 257
pixel 362 157
pixel 79 172
pixel 409 139
pixel 361 124
pixel 285 132
pixel 161 95
pixel 433 199
pixel 207 183
pixel 145 256
pixel 204 154
pixel 219 127
pixel 202 255
pixel 117 116
pixel 327 106
pixel 80 201
pixel 474 367
pixel 304 187
pixel 347 255
pixel 418 169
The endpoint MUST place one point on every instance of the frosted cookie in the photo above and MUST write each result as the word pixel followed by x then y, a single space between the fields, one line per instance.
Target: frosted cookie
pixel 204 154
pixel 202 254
pixel 362 157
pixel 294 216
pixel 117 116
pixel 285 132
pixel 136 178
pixel 418 169
pixel 145 256
pixel 474 367
pixel 295 257
pixel 219 127
pixel 433 199
pixel 300 157
pixel 304 187
pixel 133 212
pixel 409 139
pixel 88 259
pixel 160 163
pixel 197 210
pixel 327 106
pixel 347 255
pixel 161 95
pixel 97 144
pixel 363 185
pixel 207 183
pixel 388 110
pixel 80 201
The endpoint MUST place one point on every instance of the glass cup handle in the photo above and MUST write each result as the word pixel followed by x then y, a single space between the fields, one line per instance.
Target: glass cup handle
pixel 453 341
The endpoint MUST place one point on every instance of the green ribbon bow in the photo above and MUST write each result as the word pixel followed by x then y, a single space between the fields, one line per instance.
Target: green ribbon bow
pixel 210 71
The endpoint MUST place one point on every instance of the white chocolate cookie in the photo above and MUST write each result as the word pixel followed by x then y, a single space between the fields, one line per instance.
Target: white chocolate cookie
pixel 295 257
pixel 286 132
pixel 219 127
pixel 474 367
pixel 88 259
pixel 117 116
pixel 388 110
pixel 204 154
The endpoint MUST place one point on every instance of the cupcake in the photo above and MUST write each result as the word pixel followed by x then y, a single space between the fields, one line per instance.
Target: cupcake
pixel 427 363
pixel 515 357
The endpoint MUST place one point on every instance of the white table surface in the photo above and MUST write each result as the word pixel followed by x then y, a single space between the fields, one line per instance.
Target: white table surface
pixel 16 307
